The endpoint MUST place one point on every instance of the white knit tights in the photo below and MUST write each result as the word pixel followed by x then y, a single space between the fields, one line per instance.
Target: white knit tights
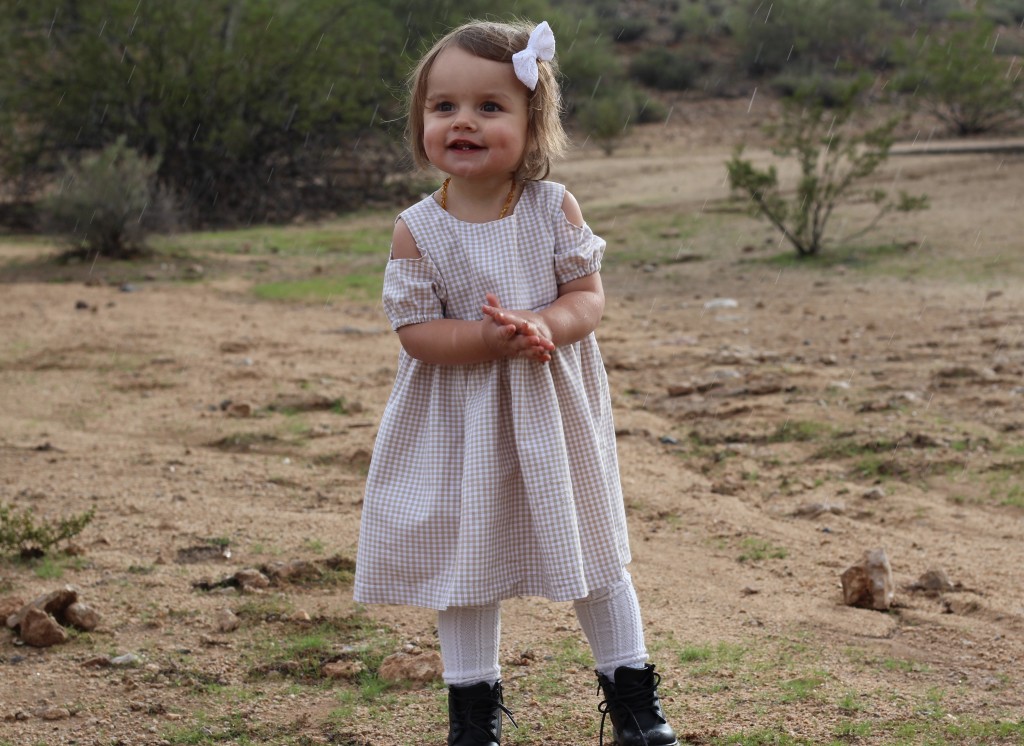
pixel 610 618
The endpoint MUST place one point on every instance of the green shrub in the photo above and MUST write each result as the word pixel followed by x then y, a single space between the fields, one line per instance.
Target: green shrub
pixel 606 118
pixel 961 80
pixel 835 153
pixel 108 203
pixel 22 533
pixel 664 69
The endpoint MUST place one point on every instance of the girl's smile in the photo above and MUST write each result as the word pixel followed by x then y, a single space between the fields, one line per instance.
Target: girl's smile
pixel 475 117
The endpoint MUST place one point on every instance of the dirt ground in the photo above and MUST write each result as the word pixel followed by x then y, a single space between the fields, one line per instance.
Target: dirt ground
pixel 765 445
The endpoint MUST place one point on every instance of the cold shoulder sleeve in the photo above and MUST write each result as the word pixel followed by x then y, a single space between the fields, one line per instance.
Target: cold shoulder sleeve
pixel 413 291
pixel 578 252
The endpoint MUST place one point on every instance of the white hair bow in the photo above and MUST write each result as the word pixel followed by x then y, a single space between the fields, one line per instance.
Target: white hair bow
pixel 541 46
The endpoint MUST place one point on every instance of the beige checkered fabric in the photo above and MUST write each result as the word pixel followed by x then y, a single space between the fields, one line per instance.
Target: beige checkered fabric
pixel 497 479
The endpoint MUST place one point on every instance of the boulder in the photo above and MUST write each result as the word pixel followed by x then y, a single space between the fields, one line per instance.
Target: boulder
pixel 80 616
pixel 869 583
pixel 39 629
pixel 423 667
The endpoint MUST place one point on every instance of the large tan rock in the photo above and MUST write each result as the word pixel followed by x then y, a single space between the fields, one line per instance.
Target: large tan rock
pixel 869 583
pixel 40 630
pixel 422 667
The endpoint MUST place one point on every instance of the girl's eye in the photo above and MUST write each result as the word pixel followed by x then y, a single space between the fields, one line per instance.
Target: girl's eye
pixel 491 107
pixel 445 106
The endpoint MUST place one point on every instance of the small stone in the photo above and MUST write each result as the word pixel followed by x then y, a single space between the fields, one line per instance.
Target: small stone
pixel 301 616
pixel 81 305
pixel 875 493
pixel 226 621
pixel 682 389
pixel 99 661
pixel 934 581
pixel 812 510
pixel 52 713
pixel 719 303
pixel 239 409
pixel 125 661
pixel 250 579
pixel 343 669
pixel 292 571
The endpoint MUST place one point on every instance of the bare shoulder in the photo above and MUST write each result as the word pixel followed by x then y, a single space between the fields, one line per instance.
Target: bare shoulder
pixel 572 210
pixel 403 245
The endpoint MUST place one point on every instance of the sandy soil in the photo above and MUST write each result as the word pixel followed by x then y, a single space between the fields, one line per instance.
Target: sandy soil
pixel 749 490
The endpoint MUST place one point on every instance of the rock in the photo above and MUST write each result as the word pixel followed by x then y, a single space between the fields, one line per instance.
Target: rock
pixel 125 661
pixel 717 303
pixel 80 616
pixel 250 579
pixel 239 409
pixel 292 571
pixel 342 669
pixel 682 389
pixel 99 661
pixel 933 581
pixel 869 583
pixel 54 602
pixel 226 621
pixel 10 606
pixel 40 630
pixel 422 668
pixel 52 713
pixel 301 616
pixel 812 510
pixel 875 493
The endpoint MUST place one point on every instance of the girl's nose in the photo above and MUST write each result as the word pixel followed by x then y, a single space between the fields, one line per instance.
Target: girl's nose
pixel 463 122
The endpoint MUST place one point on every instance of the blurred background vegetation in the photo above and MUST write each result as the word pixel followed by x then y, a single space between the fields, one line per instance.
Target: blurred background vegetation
pixel 252 111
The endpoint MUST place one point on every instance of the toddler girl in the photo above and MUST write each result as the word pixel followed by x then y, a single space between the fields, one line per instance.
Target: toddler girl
pixel 494 472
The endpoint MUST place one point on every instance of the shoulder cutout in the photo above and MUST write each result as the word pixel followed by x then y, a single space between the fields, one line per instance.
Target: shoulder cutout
pixel 403 245
pixel 572 210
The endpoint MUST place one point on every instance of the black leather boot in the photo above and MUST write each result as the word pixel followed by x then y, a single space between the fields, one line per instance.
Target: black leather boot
pixel 631 701
pixel 474 715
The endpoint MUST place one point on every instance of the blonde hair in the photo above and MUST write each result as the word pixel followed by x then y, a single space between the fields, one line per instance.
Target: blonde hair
pixel 545 137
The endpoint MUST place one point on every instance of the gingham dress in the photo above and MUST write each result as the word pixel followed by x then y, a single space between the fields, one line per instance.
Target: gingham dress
pixel 496 479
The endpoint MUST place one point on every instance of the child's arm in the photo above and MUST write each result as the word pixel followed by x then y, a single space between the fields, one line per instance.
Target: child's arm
pixel 457 341
pixel 576 312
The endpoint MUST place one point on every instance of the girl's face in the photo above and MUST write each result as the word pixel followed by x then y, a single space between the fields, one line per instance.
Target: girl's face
pixel 475 118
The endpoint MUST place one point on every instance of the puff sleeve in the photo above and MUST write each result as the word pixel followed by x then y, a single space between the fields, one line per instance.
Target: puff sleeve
pixel 578 252
pixel 413 292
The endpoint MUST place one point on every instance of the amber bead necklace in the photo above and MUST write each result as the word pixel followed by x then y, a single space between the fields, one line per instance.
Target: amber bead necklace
pixel 504 208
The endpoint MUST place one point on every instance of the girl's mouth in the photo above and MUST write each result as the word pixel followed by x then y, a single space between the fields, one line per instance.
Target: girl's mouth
pixel 463 145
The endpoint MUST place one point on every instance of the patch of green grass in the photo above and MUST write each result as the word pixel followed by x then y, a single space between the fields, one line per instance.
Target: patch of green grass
pixel 300 654
pixel 799 431
pixel 359 286
pixel 355 235
pixel 849 729
pixel 855 257
pixel 755 549
pixel 803 687
pixel 760 737
pixel 850 702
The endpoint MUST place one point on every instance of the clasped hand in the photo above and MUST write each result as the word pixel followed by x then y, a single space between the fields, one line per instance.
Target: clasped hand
pixel 516 333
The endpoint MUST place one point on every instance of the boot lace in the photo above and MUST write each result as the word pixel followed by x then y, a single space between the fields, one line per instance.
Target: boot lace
pixel 627 700
pixel 472 711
